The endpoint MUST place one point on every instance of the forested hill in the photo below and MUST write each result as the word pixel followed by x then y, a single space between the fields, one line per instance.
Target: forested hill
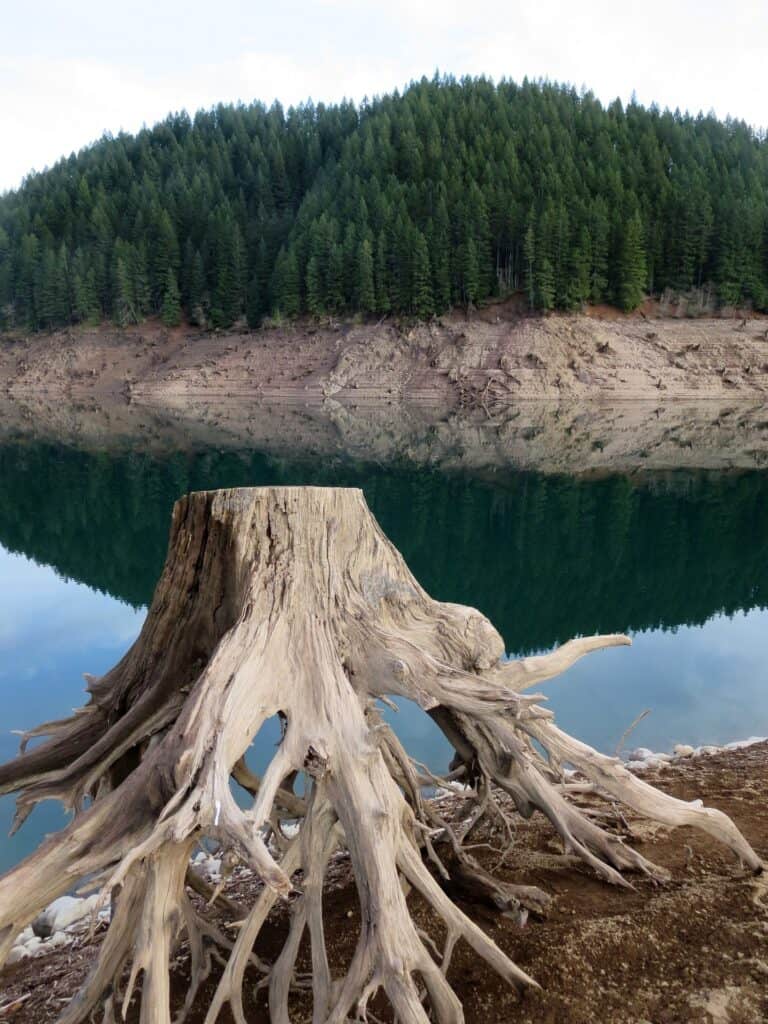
pixel 444 195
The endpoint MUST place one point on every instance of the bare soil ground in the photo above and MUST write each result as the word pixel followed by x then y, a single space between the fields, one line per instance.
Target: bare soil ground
pixel 486 360
pixel 693 951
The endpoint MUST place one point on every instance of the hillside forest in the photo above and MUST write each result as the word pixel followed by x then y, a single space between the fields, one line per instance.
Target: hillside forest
pixel 447 194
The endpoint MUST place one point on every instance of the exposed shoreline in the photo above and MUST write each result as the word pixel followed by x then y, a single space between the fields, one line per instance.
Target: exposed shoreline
pixel 571 394
pixel 695 949
pixel 488 361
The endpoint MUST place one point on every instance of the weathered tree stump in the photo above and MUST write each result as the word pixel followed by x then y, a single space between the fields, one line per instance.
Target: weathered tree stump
pixel 291 601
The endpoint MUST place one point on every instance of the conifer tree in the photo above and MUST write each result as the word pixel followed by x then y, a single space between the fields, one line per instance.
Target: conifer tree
pixel 529 263
pixel 123 310
pixel 365 295
pixel 287 298
pixel 470 274
pixel 254 304
pixel 422 300
pixel 197 296
pixel 381 276
pixel 314 288
pixel 171 309
pixel 631 269
pixel 334 285
pixel 525 186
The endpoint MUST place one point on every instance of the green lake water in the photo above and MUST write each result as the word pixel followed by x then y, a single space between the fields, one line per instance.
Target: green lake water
pixel 680 560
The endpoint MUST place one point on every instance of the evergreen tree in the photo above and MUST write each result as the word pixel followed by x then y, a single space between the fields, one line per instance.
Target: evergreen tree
pixel 508 186
pixel 577 280
pixel 123 309
pixel 422 300
pixel 470 273
pixel 287 299
pixel 314 288
pixel 631 269
pixel 381 276
pixel 365 297
pixel 197 294
pixel 171 311
pixel 529 262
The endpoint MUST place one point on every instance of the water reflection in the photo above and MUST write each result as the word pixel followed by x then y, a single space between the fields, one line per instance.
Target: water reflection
pixel 680 559
pixel 545 556
pixel 51 631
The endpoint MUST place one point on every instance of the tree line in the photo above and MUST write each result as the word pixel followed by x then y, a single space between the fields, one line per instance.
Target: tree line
pixel 446 194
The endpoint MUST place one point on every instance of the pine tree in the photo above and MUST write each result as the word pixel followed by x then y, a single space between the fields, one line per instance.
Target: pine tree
pixel 599 232
pixel 381 276
pixel 631 270
pixel 545 283
pixel 440 255
pixel 254 304
pixel 228 296
pixel 511 186
pixel 197 295
pixel 470 276
pixel 334 285
pixel 85 301
pixel 529 263
pixel 123 311
pixel 365 298
pixel 163 256
pixel 287 298
pixel 577 281
pixel 422 300
pixel 171 309
pixel 314 288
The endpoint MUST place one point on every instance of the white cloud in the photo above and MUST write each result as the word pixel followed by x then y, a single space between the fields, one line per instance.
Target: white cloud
pixel 70 71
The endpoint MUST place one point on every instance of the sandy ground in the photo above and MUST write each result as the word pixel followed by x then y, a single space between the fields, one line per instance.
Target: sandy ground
pixel 692 951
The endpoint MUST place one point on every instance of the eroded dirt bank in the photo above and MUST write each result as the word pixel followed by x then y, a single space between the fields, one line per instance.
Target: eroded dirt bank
pixel 691 951
pixel 487 361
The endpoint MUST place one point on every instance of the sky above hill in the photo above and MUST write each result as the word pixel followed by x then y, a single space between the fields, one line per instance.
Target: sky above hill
pixel 73 69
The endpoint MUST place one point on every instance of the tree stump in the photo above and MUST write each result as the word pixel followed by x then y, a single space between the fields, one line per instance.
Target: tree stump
pixel 292 602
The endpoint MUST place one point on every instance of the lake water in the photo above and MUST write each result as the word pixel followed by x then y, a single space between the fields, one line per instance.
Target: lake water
pixel 679 560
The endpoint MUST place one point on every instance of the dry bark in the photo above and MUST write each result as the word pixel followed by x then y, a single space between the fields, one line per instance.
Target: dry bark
pixel 292 602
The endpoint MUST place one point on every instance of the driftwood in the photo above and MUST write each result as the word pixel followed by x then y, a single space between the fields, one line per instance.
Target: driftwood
pixel 292 602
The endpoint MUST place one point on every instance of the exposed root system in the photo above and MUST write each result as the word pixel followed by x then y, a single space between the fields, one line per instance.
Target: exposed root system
pixel 292 602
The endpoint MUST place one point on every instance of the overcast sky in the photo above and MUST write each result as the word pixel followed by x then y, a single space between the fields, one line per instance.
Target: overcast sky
pixel 72 69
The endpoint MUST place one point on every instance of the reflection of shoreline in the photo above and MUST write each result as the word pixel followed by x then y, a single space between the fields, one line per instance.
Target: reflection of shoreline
pixel 573 437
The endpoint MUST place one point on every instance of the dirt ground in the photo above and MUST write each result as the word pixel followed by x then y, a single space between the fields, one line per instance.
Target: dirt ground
pixel 691 951
pixel 487 360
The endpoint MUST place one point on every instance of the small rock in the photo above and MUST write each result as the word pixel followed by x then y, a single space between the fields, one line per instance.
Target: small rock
pixel 17 953
pixel 640 754
pixel 683 750
pixel 709 749
pixel 63 912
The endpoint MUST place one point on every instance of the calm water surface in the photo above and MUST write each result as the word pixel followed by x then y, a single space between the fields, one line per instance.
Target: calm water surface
pixel 678 560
